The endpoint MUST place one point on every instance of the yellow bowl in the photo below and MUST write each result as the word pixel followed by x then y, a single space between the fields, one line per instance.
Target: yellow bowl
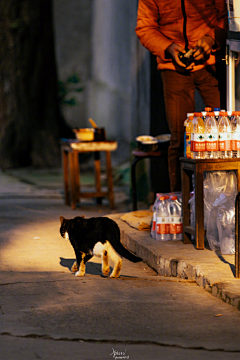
pixel 86 134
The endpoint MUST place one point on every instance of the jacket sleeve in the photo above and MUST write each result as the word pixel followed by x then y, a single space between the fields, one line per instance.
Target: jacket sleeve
pixel 219 32
pixel 148 31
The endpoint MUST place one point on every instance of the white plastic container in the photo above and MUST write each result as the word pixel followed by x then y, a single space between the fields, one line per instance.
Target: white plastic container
pixel 211 133
pixel 224 136
pixel 198 143
pixel 162 224
pixel 176 220
pixel 153 228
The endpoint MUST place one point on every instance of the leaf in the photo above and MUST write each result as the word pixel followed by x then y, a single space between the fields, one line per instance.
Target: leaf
pixel 70 102
pixel 217 315
pixel 74 79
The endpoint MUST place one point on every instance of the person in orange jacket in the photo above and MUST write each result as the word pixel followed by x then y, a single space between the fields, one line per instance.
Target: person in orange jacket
pixel 169 29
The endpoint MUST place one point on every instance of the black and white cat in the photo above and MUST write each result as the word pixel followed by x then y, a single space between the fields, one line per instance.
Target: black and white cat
pixel 98 236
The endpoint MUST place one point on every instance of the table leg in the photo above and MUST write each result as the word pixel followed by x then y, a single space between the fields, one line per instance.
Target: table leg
pixel 199 208
pixel 237 248
pixel 186 175
pixel 134 182
pixel 110 179
pixel 74 176
pixel 97 165
pixel 65 176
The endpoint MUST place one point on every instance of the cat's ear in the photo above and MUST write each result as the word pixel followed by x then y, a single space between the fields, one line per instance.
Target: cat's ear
pixel 83 216
pixel 61 219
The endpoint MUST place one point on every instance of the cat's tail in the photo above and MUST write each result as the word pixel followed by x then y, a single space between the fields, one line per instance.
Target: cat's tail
pixel 122 251
pixel 114 239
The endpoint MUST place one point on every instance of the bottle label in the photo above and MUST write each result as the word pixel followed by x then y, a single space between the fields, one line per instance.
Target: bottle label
pixel 176 225
pixel 198 142
pixel 224 143
pixel 235 141
pixel 162 225
pixel 212 142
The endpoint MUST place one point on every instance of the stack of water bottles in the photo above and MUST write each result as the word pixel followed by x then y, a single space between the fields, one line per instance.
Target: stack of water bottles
pixel 212 134
pixel 167 223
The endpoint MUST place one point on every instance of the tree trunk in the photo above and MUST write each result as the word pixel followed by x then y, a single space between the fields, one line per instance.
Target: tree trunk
pixel 30 119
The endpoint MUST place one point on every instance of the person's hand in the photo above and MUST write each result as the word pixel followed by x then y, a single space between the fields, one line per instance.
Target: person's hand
pixel 203 48
pixel 174 50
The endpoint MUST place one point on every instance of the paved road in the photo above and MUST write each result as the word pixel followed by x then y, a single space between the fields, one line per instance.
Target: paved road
pixel 47 313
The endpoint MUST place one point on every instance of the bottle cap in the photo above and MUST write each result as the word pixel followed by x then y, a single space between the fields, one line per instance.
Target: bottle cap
pixel 211 113
pixel 198 114
pixel 190 114
pixel 162 198
pixel 208 109
pixel 173 197
pixel 191 117
pixel 166 197
pixel 216 109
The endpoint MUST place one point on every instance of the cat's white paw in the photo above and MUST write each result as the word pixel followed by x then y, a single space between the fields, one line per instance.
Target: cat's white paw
pixel 116 271
pixel 74 268
pixel 114 275
pixel 79 273
pixel 106 271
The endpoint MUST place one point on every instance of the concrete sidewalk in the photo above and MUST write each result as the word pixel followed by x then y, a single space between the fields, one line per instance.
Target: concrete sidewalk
pixel 212 271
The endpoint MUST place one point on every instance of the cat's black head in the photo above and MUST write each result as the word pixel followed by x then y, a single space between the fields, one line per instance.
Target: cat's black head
pixel 65 225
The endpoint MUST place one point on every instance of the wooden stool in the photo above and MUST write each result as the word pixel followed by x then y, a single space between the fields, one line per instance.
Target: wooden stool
pixel 70 150
pixel 189 166
pixel 139 155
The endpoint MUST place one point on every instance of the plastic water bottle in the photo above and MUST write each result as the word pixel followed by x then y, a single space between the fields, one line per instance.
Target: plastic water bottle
pixel 211 132
pixel 155 205
pixel 187 135
pixel 224 136
pixel 204 113
pixel 162 224
pixel 198 144
pixel 235 124
pixel 176 220
pixel 216 113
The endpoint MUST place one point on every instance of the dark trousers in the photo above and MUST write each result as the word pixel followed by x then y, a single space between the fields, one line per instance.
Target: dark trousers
pixel 179 92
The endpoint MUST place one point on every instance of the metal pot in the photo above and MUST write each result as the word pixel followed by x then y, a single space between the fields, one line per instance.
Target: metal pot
pixel 147 143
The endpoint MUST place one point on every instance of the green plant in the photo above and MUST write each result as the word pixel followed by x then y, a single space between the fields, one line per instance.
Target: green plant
pixel 69 87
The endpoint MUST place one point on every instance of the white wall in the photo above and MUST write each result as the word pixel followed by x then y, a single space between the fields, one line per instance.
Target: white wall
pixel 73 36
pixel 97 39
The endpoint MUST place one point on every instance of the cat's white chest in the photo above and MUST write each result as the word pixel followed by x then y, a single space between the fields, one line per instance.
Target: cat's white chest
pixel 98 249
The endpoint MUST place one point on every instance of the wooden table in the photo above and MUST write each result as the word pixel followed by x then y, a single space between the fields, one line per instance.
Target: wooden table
pixel 189 166
pixel 71 169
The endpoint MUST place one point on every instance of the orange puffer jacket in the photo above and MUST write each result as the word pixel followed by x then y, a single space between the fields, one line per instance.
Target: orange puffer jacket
pixel 163 22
